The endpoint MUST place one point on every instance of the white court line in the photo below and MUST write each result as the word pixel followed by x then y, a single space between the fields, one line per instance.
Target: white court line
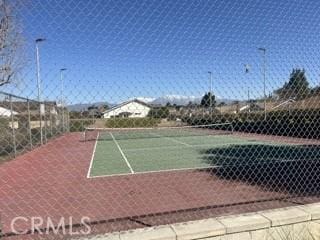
pixel 174 170
pixel 92 157
pixel 158 171
pixel 122 153
pixel 172 139
pixel 170 147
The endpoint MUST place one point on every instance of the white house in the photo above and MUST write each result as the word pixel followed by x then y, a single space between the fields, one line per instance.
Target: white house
pixel 132 109
pixel 4 112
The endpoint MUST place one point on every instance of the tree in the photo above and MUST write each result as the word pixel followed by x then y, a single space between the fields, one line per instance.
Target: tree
pixel 315 91
pixel 10 45
pixel 162 112
pixel 296 88
pixel 221 104
pixel 92 107
pixel 205 101
pixel 191 104
pixel 104 107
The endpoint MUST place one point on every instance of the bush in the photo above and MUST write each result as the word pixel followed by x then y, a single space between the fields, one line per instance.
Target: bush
pixel 173 117
pixel 4 122
pixel 162 112
pixel 131 122
pixel 79 125
pixel 294 123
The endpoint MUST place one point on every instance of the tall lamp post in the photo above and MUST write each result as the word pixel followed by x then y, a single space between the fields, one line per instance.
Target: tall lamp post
pixel 38 41
pixel 62 96
pixel 210 92
pixel 263 50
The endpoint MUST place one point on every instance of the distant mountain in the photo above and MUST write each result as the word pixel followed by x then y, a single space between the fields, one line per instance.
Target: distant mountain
pixel 183 100
pixel 180 100
pixel 176 99
pixel 144 99
pixel 84 106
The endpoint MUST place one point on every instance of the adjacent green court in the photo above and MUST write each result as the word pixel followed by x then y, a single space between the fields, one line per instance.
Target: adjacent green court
pixel 129 152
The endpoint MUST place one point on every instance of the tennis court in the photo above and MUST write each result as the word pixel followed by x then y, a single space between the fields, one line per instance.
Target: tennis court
pixel 130 151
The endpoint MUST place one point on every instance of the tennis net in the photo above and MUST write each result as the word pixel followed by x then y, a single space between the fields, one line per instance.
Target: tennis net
pixel 157 132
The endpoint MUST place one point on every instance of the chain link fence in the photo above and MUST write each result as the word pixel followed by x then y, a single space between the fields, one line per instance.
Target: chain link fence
pixel 27 124
pixel 117 115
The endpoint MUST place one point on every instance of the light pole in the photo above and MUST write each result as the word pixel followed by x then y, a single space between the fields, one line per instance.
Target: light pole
pixel 62 96
pixel 210 92
pixel 39 40
pixel 263 50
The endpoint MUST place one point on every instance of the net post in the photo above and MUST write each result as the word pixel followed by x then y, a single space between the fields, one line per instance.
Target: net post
pixel 85 134
pixel 232 128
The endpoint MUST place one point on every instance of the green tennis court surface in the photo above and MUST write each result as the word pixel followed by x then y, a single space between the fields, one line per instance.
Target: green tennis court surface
pixel 118 153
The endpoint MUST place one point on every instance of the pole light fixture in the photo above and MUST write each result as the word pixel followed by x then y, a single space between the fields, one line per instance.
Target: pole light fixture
pixel 38 41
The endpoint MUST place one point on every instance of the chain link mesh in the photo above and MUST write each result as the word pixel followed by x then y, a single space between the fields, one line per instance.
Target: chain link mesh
pixel 124 114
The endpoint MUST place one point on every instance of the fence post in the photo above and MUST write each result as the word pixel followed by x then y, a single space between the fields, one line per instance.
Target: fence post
pixel 45 122
pixel 40 123
pixel 50 121
pixel 29 124
pixel 68 121
pixel 61 120
pixel 82 123
pixel 13 129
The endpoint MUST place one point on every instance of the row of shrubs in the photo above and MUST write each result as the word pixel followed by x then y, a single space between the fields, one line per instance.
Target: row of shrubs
pixel 132 122
pixel 296 123
pixel 79 125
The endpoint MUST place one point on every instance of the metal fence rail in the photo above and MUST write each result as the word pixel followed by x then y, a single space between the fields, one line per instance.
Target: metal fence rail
pixel 26 123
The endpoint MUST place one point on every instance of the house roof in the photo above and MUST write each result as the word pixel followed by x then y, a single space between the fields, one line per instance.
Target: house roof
pixel 307 103
pixel 7 112
pixel 283 104
pixel 125 103
pixel 240 106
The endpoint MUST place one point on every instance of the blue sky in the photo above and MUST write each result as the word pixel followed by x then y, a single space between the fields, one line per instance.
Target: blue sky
pixel 115 50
